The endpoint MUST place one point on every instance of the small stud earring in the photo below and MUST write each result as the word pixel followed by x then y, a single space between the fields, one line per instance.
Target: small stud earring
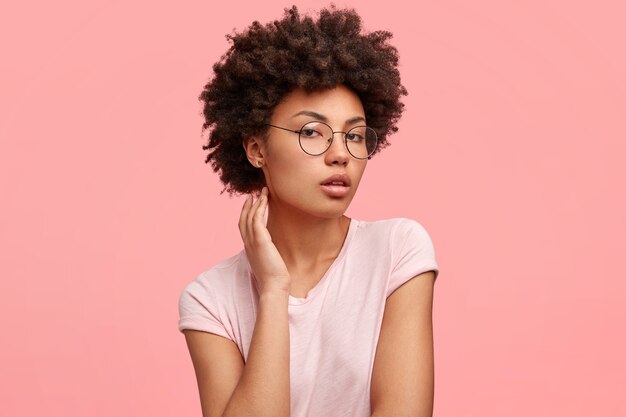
pixel 259 163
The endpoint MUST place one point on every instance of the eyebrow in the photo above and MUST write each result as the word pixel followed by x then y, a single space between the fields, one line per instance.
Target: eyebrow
pixel 325 119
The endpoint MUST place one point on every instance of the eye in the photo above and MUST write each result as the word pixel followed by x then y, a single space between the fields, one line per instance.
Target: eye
pixel 310 133
pixel 354 137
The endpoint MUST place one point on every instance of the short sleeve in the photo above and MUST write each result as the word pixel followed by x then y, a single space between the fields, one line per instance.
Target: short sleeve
pixel 198 311
pixel 413 253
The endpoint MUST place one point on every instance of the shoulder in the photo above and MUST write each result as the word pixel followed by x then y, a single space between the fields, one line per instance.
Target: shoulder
pixel 216 279
pixel 394 229
pixel 400 237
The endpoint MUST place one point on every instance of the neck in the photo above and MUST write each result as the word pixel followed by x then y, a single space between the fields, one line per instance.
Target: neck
pixel 303 240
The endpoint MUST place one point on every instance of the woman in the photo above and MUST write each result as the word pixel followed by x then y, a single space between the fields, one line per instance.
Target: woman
pixel 311 318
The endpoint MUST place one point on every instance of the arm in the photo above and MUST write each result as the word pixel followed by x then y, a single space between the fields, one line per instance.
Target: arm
pixel 227 386
pixel 218 365
pixel 403 373
pixel 263 389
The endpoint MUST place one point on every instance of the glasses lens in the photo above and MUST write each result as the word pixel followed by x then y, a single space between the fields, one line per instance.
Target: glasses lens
pixel 315 137
pixel 361 141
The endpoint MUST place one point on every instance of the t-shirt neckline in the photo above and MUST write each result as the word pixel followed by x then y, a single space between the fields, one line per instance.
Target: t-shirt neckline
pixel 295 301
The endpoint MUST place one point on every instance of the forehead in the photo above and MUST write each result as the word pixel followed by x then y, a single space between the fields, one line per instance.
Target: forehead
pixel 338 103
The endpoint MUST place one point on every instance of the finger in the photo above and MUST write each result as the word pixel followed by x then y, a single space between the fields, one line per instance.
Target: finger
pixel 260 229
pixel 259 212
pixel 250 217
pixel 266 193
pixel 243 216
pixel 265 203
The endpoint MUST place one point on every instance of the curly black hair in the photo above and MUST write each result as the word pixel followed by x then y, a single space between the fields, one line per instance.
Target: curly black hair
pixel 266 62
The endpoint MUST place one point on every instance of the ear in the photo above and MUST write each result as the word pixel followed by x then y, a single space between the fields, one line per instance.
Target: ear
pixel 254 147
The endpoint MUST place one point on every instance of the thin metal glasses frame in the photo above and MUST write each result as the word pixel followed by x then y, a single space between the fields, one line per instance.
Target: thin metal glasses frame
pixel 345 138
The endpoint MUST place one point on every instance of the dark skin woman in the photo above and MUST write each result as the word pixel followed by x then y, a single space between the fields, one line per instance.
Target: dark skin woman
pixel 296 109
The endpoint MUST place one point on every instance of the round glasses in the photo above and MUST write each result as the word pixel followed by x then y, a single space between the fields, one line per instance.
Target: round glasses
pixel 316 137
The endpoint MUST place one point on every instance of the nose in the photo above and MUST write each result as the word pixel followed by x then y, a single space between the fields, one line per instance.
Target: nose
pixel 337 154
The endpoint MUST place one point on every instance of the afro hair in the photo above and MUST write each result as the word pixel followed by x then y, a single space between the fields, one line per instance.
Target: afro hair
pixel 266 62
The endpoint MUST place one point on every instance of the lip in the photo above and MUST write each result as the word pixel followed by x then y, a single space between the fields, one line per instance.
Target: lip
pixel 344 178
pixel 335 190
pixel 338 190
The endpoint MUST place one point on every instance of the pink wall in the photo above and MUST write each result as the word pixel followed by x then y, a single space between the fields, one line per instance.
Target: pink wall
pixel 511 153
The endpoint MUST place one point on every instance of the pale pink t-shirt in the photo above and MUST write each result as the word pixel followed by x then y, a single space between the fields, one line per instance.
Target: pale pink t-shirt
pixel 334 330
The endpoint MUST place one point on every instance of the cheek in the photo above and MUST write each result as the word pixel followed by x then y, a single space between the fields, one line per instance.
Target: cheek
pixel 279 151
pixel 358 172
pixel 287 166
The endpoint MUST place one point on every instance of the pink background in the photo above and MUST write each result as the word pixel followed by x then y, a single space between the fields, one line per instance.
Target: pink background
pixel 511 154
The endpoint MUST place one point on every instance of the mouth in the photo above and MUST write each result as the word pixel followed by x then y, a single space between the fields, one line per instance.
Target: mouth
pixel 336 186
pixel 339 180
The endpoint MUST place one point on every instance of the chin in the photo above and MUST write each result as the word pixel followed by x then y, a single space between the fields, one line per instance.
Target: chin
pixel 331 210
pixel 317 204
